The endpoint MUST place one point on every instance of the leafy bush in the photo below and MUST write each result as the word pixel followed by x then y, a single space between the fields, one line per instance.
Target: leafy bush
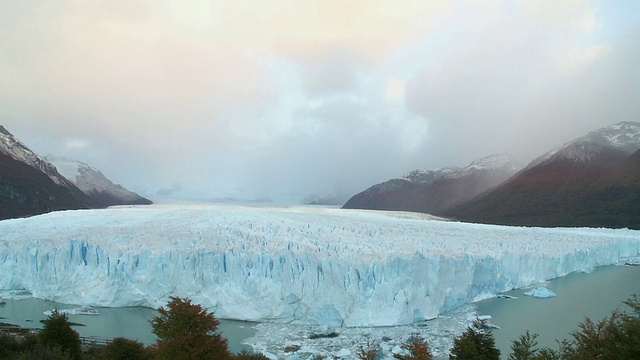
pixel 418 350
pixel 125 349
pixel 475 344
pixel 58 334
pixel 186 331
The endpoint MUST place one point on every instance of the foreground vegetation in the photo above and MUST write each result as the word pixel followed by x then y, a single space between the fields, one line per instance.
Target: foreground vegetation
pixel 187 332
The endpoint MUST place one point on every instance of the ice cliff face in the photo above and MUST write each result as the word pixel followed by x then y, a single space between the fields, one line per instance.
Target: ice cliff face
pixel 297 265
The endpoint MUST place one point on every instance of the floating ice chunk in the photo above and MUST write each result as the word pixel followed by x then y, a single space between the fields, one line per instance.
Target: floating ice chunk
pixel 541 292
pixel 398 350
pixel 343 353
pixel 634 260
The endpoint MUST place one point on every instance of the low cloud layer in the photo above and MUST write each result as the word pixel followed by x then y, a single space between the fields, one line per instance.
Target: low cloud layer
pixel 281 100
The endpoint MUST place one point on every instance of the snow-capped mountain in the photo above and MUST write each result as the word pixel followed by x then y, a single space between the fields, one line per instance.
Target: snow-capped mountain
pixel 93 183
pixel 593 180
pixel 623 137
pixel 30 185
pixel 16 149
pixel 435 191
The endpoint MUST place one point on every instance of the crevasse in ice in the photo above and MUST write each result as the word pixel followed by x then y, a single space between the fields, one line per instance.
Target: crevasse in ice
pixel 296 265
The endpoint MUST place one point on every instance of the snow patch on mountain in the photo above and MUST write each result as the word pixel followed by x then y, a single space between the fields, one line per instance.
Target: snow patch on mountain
pixel 623 136
pixel 16 149
pixel 90 180
pixel 494 162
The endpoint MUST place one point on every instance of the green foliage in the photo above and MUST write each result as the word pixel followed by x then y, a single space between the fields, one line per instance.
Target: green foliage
pixel 125 349
pixel 525 347
pixel 475 344
pixel 8 346
pixel 614 337
pixel 547 354
pixel 418 350
pixel 44 353
pixel 187 332
pixel 58 334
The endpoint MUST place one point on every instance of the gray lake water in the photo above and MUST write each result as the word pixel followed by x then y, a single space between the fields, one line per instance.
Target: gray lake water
pixel 132 322
pixel 580 295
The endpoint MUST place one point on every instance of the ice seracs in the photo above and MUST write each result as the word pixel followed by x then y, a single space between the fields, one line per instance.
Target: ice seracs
pixel 296 265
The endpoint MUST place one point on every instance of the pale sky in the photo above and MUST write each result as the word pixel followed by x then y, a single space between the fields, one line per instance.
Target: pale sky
pixel 283 99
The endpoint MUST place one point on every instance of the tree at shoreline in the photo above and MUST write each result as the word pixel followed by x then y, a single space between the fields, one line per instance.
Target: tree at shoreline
pixel 186 331
pixel 58 334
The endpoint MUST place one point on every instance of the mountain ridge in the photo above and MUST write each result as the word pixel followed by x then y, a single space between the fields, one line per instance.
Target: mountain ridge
pixel 93 183
pixel 436 191
pixel 593 180
pixel 31 185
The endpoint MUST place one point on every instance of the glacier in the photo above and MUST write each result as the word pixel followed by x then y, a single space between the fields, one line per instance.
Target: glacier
pixel 298 265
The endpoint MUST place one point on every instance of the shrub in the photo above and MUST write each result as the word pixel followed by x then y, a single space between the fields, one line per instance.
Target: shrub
pixel 58 334
pixel 125 349
pixel 186 331
pixel 475 344
pixel 418 350
pixel 525 347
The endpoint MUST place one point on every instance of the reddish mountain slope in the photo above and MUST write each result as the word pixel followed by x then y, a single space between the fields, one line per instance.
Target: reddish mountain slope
pixel 435 191
pixel 591 181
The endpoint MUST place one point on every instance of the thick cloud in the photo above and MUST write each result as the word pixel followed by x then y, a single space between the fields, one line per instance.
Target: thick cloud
pixel 239 99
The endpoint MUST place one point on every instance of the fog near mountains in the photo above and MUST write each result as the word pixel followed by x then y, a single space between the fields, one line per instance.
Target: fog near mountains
pixel 213 100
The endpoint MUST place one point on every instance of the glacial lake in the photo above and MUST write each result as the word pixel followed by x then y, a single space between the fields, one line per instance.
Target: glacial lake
pixel 131 322
pixel 579 295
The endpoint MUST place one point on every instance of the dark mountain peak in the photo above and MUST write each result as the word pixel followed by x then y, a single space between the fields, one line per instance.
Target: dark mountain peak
pixel 597 146
pixel 16 149
pixel 30 185
pixel 590 181
pixel 434 191
pixel 4 131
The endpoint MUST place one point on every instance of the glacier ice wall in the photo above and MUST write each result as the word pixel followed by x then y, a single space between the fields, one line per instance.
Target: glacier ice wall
pixel 298 265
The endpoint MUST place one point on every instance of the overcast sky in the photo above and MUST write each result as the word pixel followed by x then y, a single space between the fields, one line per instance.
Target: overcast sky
pixel 282 99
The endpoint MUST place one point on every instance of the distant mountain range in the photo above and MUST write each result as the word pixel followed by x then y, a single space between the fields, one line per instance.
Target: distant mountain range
pixel 31 185
pixel 591 181
pixel 436 191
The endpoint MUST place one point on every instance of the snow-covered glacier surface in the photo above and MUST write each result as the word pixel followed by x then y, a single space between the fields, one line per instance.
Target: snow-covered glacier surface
pixel 297 265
